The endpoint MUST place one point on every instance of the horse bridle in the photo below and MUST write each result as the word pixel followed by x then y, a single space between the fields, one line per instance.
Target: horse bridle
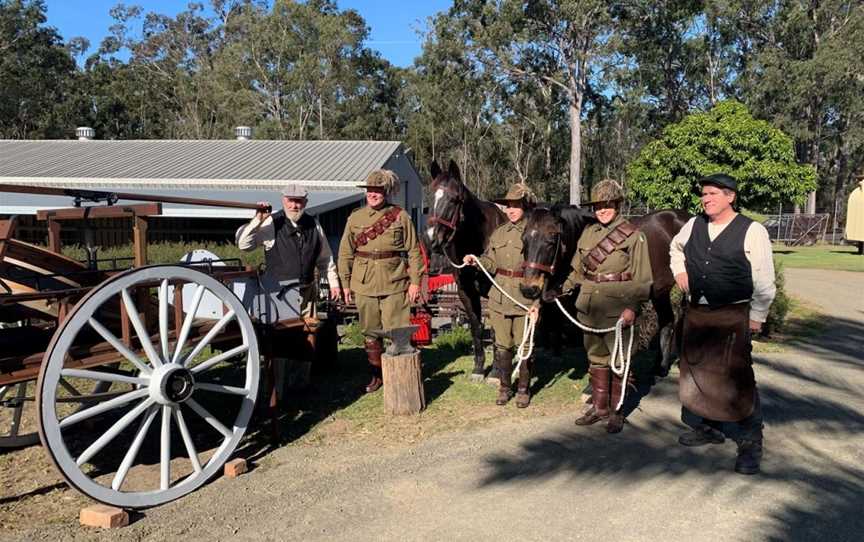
pixel 452 223
pixel 542 266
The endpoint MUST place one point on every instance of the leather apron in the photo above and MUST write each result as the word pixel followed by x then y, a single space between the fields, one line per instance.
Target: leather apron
pixel 717 380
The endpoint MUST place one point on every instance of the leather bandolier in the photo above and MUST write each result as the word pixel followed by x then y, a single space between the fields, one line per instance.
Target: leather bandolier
pixel 597 255
pixel 379 227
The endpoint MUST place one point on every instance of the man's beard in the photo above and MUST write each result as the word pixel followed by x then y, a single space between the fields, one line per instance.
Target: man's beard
pixel 294 215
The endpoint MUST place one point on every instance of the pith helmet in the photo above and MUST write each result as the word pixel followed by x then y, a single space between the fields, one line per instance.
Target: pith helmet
pixel 382 178
pixel 518 192
pixel 606 190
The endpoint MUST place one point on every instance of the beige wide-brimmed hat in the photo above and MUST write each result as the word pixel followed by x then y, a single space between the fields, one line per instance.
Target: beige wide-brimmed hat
pixel 517 192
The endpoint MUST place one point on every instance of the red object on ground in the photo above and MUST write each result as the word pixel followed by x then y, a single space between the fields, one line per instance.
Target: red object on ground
pixel 423 336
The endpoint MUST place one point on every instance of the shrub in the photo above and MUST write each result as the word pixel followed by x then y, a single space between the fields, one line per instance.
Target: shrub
pixel 352 336
pixel 781 304
pixel 458 339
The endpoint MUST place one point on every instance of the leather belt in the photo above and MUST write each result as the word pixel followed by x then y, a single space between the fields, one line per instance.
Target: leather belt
pixel 609 277
pixel 382 255
pixel 510 273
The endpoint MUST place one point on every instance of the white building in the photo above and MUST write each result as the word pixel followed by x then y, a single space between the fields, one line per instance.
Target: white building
pixel 236 170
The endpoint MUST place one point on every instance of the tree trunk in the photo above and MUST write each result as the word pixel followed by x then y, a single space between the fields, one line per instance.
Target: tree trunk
pixel 403 384
pixel 576 150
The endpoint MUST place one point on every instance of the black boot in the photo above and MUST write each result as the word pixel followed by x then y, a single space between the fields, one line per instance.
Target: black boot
pixel 504 365
pixel 749 456
pixel 701 435
pixel 599 377
pixel 374 347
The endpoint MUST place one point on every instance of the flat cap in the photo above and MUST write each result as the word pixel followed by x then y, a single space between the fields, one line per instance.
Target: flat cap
pixel 295 191
pixel 720 179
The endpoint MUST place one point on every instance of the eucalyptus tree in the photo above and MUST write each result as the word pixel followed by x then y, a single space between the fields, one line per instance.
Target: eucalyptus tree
pixel 558 43
pixel 34 70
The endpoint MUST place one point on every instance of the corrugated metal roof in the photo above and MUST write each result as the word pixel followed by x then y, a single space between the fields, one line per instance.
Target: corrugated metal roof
pixel 232 164
pixel 319 202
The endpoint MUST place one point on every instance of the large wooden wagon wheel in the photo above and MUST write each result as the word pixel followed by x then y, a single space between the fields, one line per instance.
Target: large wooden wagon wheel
pixel 188 406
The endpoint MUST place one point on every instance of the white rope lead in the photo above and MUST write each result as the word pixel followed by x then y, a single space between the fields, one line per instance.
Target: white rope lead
pixel 620 362
pixel 526 347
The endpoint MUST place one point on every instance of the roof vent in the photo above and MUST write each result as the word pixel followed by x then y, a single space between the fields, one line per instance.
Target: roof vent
pixel 243 133
pixel 85 133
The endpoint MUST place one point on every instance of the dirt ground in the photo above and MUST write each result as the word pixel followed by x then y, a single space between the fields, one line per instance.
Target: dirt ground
pixel 534 477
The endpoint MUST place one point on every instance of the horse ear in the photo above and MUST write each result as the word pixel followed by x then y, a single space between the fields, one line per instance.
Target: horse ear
pixel 435 169
pixel 453 170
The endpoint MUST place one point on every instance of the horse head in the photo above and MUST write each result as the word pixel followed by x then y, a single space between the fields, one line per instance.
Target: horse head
pixel 541 250
pixel 445 215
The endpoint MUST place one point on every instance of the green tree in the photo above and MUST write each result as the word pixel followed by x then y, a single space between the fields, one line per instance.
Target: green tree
pixel 34 70
pixel 725 139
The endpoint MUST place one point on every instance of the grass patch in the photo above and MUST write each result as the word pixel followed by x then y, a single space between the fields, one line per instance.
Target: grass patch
pixel 840 257
pixel 166 253
pixel 802 322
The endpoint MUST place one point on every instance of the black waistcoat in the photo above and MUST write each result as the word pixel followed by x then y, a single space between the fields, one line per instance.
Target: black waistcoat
pixel 296 250
pixel 719 269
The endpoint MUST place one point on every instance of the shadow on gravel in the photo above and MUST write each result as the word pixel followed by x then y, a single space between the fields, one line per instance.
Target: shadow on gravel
pixel 841 336
pixel 819 496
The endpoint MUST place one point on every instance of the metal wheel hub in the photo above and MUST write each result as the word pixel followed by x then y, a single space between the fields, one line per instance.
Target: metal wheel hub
pixel 171 384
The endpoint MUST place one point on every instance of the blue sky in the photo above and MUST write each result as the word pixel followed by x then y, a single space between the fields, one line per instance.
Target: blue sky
pixel 393 23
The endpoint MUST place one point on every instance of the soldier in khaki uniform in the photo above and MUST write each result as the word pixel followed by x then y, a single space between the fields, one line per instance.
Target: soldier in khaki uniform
pixel 612 268
pixel 380 265
pixel 503 259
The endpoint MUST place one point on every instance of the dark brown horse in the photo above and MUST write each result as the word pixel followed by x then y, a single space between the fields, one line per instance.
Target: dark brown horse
pixel 460 223
pixel 549 243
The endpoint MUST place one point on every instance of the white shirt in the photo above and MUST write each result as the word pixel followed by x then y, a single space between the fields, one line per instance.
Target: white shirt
pixel 257 233
pixel 757 249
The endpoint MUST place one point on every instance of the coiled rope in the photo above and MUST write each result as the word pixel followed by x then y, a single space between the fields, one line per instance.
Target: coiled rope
pixel 620 362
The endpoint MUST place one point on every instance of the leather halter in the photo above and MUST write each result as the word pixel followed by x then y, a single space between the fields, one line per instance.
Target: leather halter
pixel 542 266
pixel 452 223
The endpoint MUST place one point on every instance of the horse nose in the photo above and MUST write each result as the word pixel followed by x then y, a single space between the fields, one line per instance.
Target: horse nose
pixel 531 292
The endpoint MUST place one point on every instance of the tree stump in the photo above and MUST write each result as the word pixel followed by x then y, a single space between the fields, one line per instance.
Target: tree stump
pixel 403 384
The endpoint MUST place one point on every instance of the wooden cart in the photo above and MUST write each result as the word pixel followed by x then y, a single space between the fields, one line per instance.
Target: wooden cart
pixel 139 382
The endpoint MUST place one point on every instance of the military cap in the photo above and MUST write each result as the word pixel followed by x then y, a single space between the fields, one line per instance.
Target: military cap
pixel 606 190
pixel 517 192
pixel 382 178
pixel 720 180
pixel 295 191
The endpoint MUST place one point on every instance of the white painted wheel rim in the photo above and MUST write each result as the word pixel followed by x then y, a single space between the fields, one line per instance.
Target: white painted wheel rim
pixel 143 406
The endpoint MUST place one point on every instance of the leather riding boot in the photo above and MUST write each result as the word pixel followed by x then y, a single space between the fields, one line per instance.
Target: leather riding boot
pixel 504 364
pixel 616 417
pixel 599 378
pixel 374 347
pixel 523 389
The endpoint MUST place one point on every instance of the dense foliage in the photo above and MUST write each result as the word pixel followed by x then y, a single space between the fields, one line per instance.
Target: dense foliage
pixel 558 93
pixel 725 139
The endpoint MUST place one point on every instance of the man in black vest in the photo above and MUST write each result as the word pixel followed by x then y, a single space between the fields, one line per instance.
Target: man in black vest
pixel 294 246
pixel 722 260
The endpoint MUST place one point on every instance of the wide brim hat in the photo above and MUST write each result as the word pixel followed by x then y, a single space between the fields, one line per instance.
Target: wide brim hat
pixel 382 178
pixel 607 190
pixel 721 180
pixel 517 192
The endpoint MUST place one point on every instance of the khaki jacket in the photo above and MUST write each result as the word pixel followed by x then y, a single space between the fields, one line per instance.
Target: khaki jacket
pixel 371 277
pixel 505 252
pixel 601 303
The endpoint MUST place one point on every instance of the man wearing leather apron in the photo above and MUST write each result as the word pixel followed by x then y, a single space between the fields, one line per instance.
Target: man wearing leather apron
pixel 723 261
